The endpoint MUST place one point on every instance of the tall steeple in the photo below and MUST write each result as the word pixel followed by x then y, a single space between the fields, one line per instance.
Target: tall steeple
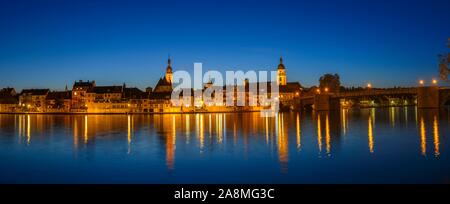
pixel 169 73
pixel 281 72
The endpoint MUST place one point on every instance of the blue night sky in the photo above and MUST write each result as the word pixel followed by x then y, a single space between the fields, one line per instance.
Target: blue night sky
pixel 48 44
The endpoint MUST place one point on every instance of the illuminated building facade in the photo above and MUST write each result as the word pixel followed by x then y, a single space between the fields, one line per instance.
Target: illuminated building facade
pixel 58 101
pixel 8 100
pixel 87 97
pixel 33 100
pixel 281 73
pixel 79 95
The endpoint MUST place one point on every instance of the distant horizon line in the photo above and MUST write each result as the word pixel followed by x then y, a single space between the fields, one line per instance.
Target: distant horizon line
pixel 69 88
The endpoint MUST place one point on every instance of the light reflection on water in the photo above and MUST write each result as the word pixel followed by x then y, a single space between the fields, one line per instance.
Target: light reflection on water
pixel 392 145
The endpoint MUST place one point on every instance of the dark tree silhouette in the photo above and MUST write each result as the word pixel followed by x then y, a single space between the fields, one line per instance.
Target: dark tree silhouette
pixel 331 82
pixel 444 60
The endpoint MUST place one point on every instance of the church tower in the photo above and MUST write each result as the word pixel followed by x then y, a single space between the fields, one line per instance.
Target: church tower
pixel 169 74
pixel 281 73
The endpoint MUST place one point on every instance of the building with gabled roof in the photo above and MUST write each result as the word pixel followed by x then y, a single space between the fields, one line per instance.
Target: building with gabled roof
pixel 33 100
pixel 58 101
pixel 164 84
pixel 79 95
pixel 9 100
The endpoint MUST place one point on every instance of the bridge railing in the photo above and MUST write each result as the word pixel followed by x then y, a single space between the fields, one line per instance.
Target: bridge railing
pixel 375 92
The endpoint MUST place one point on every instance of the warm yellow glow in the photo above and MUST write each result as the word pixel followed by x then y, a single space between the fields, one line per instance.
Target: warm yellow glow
pixel 369 85
pixel 436 136
pixel 219 128
pixel 370 134
pixel 319 133
pixel 75 133
pixel 327 134
pixel 209 126
pixel 405 110
pixel 174 128
pixel 129 134
pixel 201 131
pixel 421 82
pixel 372 114
pixel 318 91
pixel 392 113
pixel 344 121
pixel 282 143
pixel 28 130
pixel 86 129
pixel 326 89
pixel 171 146
pixel 267 129
pixel 423 137
pixel 299 144
pixel 434 81
pixel 20 128
pixel 188 124
pixel 224 126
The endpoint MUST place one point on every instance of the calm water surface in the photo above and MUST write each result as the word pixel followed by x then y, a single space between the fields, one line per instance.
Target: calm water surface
pixel 392 145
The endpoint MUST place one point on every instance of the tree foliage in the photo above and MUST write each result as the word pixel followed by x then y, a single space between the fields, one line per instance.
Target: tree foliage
pixel 331 82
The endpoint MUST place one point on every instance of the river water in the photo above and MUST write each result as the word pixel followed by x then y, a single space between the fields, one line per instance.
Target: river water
pixel 383 145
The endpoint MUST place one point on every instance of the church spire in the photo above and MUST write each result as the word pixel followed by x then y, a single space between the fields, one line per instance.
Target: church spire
pixel 169 61
pixel 281 72
pixel 281 65
pixel 169 76
pixel 169 65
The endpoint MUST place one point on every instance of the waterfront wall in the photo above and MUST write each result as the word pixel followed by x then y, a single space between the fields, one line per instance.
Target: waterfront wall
pixel 324 102
pixel 428 97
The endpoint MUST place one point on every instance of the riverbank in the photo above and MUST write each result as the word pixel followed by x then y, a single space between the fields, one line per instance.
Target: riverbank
pixel 130 113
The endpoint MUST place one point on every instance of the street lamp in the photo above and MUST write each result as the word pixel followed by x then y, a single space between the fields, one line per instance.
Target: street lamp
pixel 421 82
pixel 326 89
pixel 369 85
pixel 434 81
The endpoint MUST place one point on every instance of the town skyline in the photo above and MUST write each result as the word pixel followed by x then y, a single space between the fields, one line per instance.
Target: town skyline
pixel 141 85
pixel 225 100
pixel 242 95
pixel 113 43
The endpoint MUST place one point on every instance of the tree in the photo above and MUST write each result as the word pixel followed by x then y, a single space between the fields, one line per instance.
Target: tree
pixel 330 82
pixel 443 67
pixel 444 62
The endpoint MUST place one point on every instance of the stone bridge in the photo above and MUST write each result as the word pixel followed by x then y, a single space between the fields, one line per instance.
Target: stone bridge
pixel 423 97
